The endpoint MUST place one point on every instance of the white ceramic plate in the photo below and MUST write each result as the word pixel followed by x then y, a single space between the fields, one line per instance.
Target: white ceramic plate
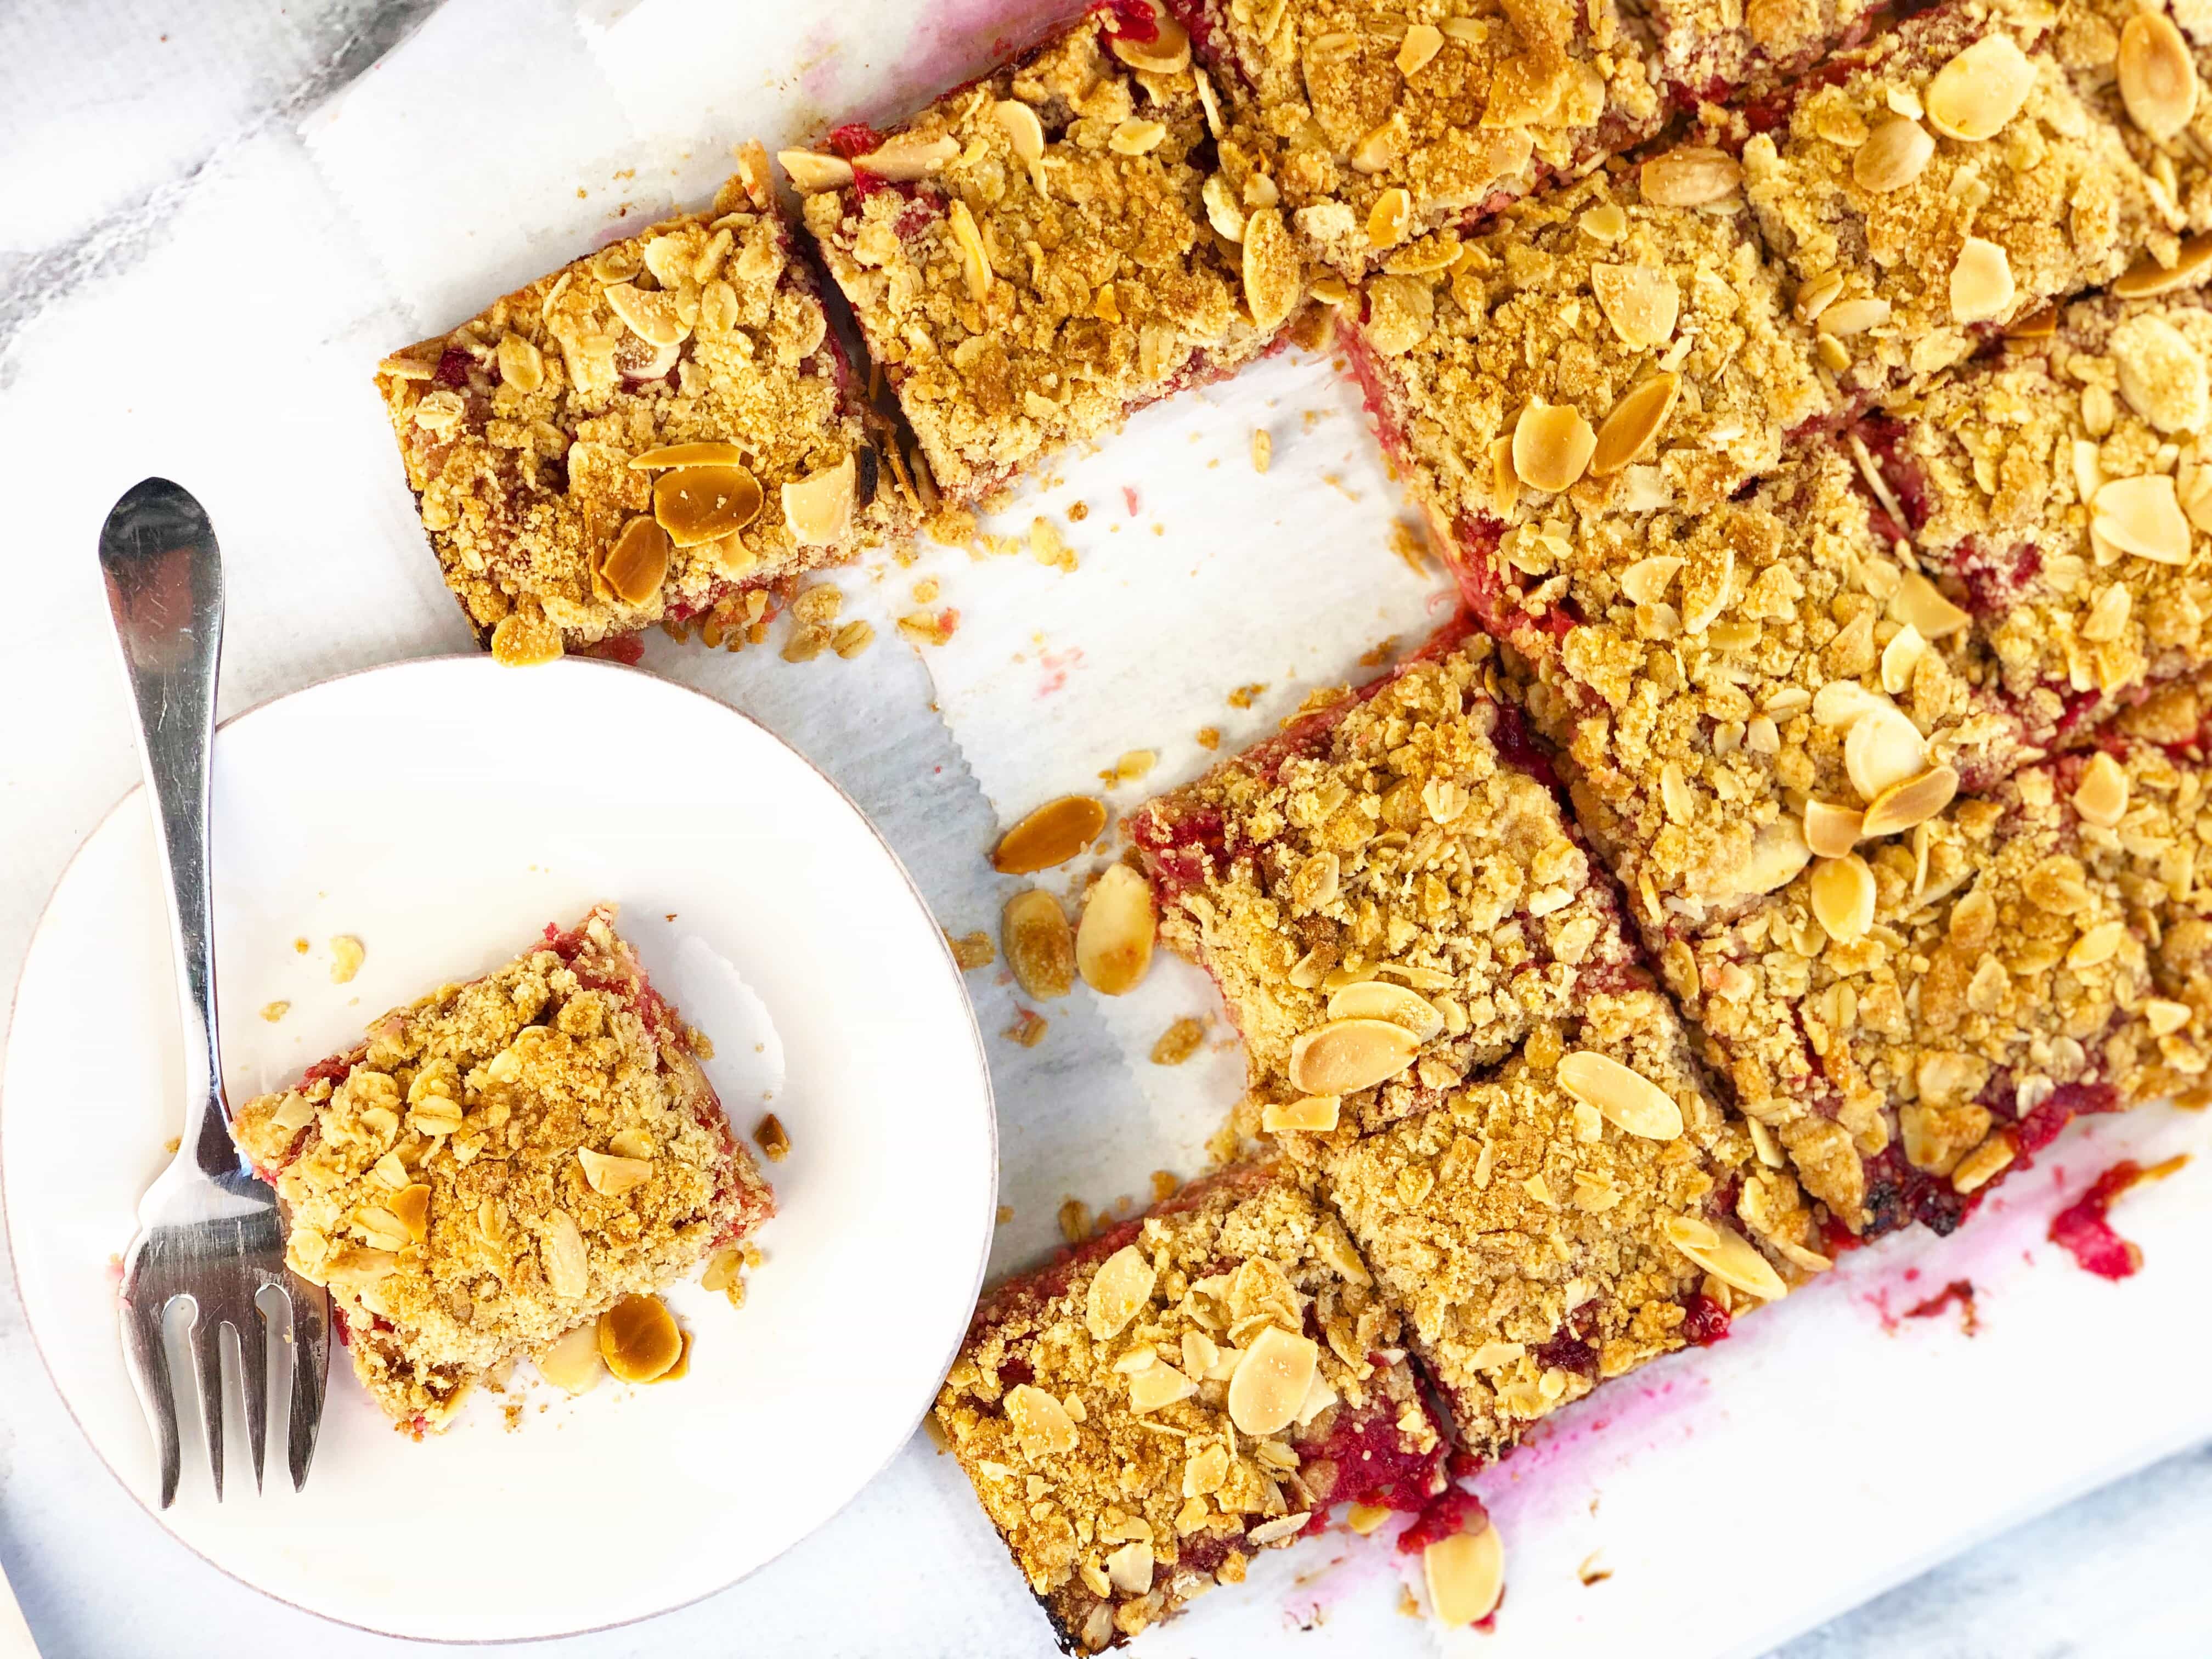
pixel 444 813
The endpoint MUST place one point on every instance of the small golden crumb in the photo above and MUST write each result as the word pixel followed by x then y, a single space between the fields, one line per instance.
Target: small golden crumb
pixel 935 1431
pixel 1209 737
pixel 273 1012
pixel 171 1143
pixel 1006 1213
pixel 512 1413
pixel 1407 1606
pixel 808 640
pixel 1377 655
pixel 346 956
pixel 1590 1573
pixel 951 527
pixel 1263 449
pixel 1075 1221
pixel 299 945
pixel 1244 695
pixel 1078 511
pixel 774 1142
pixel 1049 547
pixel 928 628
pixel 702 1044
pixel 972 950
pixel 1179 1042
pixel 926 590
pixel 1131 767
pixel 1165 1184
pixel 1407 542
pixel 852 639
pixel 1029 1028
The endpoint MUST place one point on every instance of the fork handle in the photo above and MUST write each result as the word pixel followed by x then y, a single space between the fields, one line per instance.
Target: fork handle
pixel 164 578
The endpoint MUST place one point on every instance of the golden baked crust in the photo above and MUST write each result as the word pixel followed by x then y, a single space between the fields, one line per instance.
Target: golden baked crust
pixel 1019 302
pixel 1954 237
pixel 1660 328
pixel 2166 124
pixel 1523 1234
pixel 520 430
pixel 1386 123
pixel 500 1163
pixel 1716 50
pixel 1118 1514
pixel 1394 839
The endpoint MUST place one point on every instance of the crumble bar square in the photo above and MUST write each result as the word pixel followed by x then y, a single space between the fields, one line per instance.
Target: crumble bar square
pixel 1592 350
pixel 1143 1416
pixel 1911 246
pixel 1029 257
pixel 499 1163
pixel 643 436
pixel 1387 893
pixel 1386 127
pixel 1567 1220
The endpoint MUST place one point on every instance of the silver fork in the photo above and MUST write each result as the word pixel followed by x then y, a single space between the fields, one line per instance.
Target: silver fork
pixel 208 1229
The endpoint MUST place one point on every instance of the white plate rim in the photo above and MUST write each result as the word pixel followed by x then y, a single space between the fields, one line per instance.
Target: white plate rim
pixel 974 1034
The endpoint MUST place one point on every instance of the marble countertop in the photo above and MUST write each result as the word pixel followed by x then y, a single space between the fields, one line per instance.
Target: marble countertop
pixel 126 128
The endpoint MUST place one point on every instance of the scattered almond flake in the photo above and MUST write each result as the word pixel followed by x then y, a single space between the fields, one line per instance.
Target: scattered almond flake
pixel 346 957
pixel 1376 656
pixel 852 639
pixel 926 590
pixel 925 627
pixel 1164 1185
pixel 1179 1042
pixel 1243 695
pixel 1049 547
pixel 1209 737
pixel 273 1012
pixel 1027 1029
pixel 972 950
pixel 1074 1220
pixel 775 1143
pixel 1263 449
pixel 1409 545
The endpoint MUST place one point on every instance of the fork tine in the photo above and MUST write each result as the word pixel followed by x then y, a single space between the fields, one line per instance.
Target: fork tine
pixel 252 1325
pixel 206 1339
pixel 149 1367
pixel 311 1350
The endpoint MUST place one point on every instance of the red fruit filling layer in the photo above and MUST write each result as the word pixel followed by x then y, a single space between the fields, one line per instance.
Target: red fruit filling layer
pixel 1450 1513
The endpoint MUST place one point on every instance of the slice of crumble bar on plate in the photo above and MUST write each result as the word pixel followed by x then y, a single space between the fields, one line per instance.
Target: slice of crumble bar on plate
pixel 500 1164
pixel 1144 1415
pixel 654 433
pixel 1030 259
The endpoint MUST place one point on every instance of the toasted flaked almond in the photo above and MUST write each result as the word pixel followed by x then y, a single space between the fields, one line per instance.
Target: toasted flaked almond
pixel 567 1269
pixel 1646 582
pixel 1466 1575
pixel 1387 220
pixel 2108 615
pixel 571 1361
pixel 1054 833
pixel 357 1265
pixel 1777 852
pixel 1422 42
pixel 652 316
pixel 818 507
pixel 1114 940
pixel 2101 796
pixel 411 1205
pixel 2165 1018
pixel 1842 892
pixel 905 156
pixel 1136 138
pixel 1981 282
pixel 1346 1055
pixel 1271 1381
pixel 1223 211
pixel 613 1175
pixel 2098 946
pixel 1168 53
pixel 1022 127
pixel 1310 1114
pixel 1914 801
pixel 1846 317
pixel 690 454
pixel 1628 434
pixel 380 1229
pixel 525 638
pixel 1119 1291
pixel 1129 1569
pixel 2162 374
pixel 809 171
pixel 1282 1527
pixel 1377 998
pixel 1895 154
pixel 521 365
pixel 1882 748
pixel 1641 301
pixel 1551 446
pixel 1692 176
pixel 1158 1385
pixel 974 262
pixel 1624 1097
pixel 1973 95
pixel 1364 1518
pixel 1041 1422
pixel 2157 75
pixel 2143 515
pixel 1272 271
pixel 1724 1253
pixel 636 565
pixel 1920 604
pixel 700 504
pixel 2148 276
pixel 1980 1166
pixel 1900 656
pixel 1831 831
pixel 1040 947
pixel 638 1340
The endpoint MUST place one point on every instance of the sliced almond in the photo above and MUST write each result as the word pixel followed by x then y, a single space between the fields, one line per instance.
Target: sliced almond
pixel 1692 176
pixel 974 262
pixel 637 564
pixel 690 454
pixel 1347 1056
pixel 521 365
pixel 2165 1018
pixel 2101 796
pixel 2148 276
pixel 1310 1114
pixel 810 170
pixel 905 156
pixel 651 316
pixel 1375 999
pixel 1119 1291
pixel 1551 446
pixel 1981 282
pixel 1113 941
pixel 1135 137
pixel 2143 515
pixel 1622 1096
pixel 567 1269
pixel 1271 1381
pixel 1847 318
pixel 1646 582
pixel 2157 75
pixel 1978 92
pixel 2162 374
pixel 1777 852
pixel 1895 154
pixel 638 1340
pixel 1831 830
pixel 1168 53
pixel 1900 656
pixel 1724 1253
pixel 1914 801
pixel 1882 748
pixel 2097 947
pixel 1641 301
pixel 1843 892
pixel 1040 947
pixel 571 1361
pixel 1389 218
pixel 411 1205
pixel 1129 1569
pixel 1156 1386
pixel 1272 274
pixel 1223 210
pixel 1422 42
pixel 1054 833
pixel 700 504
pixel 613 1176
pixel 1920 604
pixel 525 638
pixel 1041 1422
pixel 1465 1576
pixel 1627 434
pixel 818 508
pixel 1021 125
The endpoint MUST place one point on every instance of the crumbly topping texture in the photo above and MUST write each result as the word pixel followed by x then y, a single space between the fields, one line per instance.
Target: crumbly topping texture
pixel 520 428
pixel 1385 126
pixel 2166 124
pixel 1711 51
pixel 1050 266
pixel 1523 1233
pixel 1956 236
pixel 501 1161
pixel 2058 491
pixel 1660 328
pixel 1390 857
pixel 1096 1404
